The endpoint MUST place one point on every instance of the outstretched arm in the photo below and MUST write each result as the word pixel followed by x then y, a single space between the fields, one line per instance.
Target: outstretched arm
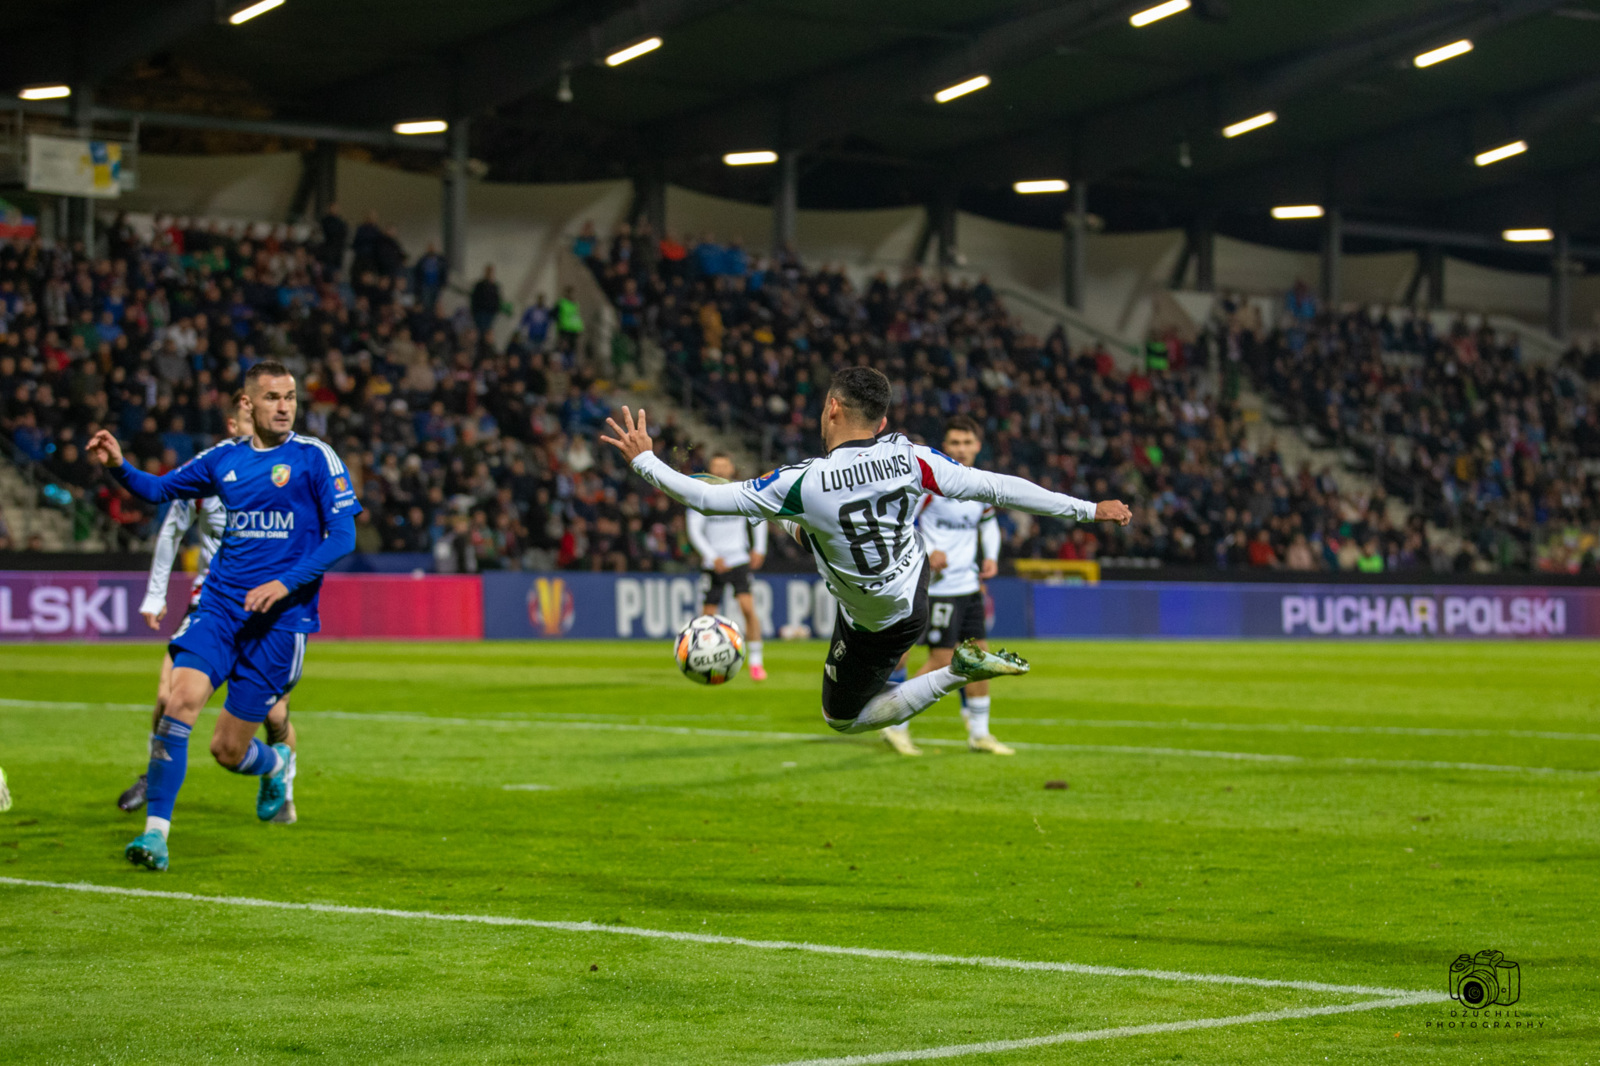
pixel 959 482
pixel 190 481
pixel 635 445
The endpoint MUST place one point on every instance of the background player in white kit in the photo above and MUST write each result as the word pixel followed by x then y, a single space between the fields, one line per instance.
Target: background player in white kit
pixel 854 509
pixel 208 518
pixel 962 539
pixel 730 546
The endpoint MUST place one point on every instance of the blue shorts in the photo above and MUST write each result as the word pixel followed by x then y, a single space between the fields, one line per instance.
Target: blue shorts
pixel 258 660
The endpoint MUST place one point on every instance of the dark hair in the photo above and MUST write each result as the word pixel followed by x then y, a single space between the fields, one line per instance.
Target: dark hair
pixel 267 368
pixel 863 391
pixel 235 400
pixel 963 424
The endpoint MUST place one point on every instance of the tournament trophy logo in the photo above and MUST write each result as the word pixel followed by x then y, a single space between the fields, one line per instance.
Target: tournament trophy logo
pixel 550 607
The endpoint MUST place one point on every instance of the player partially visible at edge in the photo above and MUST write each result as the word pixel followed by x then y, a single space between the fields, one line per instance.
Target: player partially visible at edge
pixel 854 509
pixel 962 539
pixel 291 515
pixel 730 547
pixel 207 517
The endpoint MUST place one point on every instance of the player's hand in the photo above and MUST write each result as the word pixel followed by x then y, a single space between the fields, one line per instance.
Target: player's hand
pixel 153 620
pixel 988 568
pixel 718 565
pixel 632 441
pixel 104 447
pixel 262 598
pixel 1113 511
pixel 756 559
pixel 937 560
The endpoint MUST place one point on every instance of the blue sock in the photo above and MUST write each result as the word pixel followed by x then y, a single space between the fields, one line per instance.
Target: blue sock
pixel 169 761
pixel 259 760
pixel 898 677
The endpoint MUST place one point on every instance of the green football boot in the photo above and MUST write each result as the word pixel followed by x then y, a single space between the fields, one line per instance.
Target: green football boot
pixel 148 849
pixel 975 664
pixel 274 791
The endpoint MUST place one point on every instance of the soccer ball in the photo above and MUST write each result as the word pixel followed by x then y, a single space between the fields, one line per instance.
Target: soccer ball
pixel 709 650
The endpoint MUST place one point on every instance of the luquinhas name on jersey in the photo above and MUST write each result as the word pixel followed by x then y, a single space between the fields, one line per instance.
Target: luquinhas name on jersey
pixel 866 472
pixel 261 525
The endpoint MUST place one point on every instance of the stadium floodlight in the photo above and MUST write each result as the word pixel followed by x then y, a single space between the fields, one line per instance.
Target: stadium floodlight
pixel 45 92
pixel 422 125
pixel 1443 52
pixel 633 51
pixel 1298 211
pixel 747 159
pixel 1254 122
pixel 1042 185
pixel 1505 151
pixel 1160 11
pixel 971 85
pixel 1528 236
pixel 261 7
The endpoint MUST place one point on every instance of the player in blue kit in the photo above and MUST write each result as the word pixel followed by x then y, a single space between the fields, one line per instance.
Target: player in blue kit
pixel 291 515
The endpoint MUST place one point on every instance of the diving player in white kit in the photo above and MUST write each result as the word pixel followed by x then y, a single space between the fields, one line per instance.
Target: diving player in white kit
pixel 854 509
pixel 962 539
pixel 730 547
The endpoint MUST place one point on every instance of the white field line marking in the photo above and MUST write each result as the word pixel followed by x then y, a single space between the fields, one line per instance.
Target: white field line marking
pixel 751 734
pixel 70 705
pixel 1117 749
pixel 1082 723
pixel 1298 727
pixel 739 941
pixel 1085 1036
pixel 528 788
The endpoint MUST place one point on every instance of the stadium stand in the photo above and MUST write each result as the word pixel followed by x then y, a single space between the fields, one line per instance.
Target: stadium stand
pixel 752 349
pixel 483 455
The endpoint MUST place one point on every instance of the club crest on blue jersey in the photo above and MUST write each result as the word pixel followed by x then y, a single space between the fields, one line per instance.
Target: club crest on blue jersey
pixel 280 475
pixel 340 484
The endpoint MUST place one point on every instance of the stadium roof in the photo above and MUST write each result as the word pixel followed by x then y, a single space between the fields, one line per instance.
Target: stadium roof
pixel 1076 92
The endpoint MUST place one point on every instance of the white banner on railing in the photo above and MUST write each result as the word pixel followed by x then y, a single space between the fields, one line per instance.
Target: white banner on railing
pixel 72 166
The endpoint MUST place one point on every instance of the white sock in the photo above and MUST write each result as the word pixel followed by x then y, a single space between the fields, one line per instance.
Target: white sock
pixel 160 825
pixel 976 712
pixel 753 650
pixel 904 701
pixel 904 729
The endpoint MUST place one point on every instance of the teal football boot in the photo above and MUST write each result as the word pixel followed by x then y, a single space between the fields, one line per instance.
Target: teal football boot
pixel 148 849
pixel 275 786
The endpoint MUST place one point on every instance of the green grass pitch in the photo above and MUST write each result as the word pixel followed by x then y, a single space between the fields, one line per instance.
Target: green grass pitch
pixel 1353 815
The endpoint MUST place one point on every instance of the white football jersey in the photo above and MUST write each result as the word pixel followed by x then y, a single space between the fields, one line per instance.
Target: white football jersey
pixel 731 538
pixel 856 508
pixel 967 531
pixel 213 517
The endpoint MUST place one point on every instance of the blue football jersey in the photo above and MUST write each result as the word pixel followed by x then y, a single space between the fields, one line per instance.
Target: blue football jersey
pixel 280 502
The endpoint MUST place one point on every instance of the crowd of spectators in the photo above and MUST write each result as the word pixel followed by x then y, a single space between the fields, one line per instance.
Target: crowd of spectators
pixel 1500 450
pixel 751 345
pixel 482 454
